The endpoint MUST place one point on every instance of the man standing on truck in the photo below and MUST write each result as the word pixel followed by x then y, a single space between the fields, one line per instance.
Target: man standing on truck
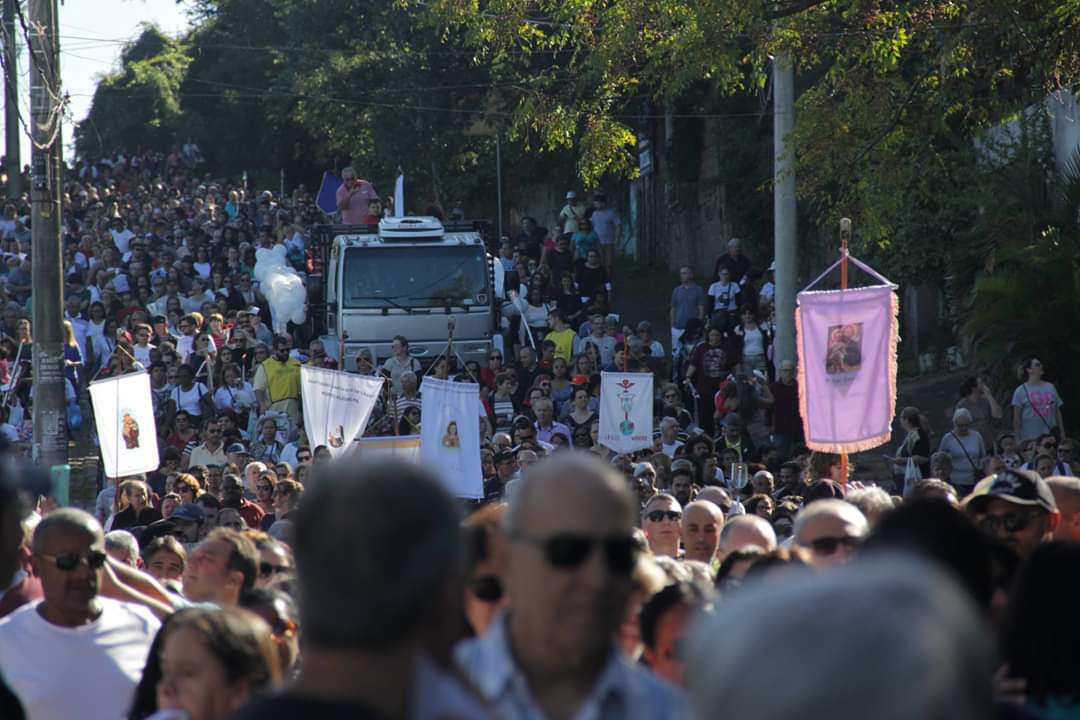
pixel 353 197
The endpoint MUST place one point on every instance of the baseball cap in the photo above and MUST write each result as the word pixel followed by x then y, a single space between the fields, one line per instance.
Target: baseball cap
pixel 236 448
pixel 682 466
pixel 772 266
pixel 580 380
pixel 732 420
pixel 188 511
pixel 644 326
pixel 571 195
pixel 503 456
pixel 1019 487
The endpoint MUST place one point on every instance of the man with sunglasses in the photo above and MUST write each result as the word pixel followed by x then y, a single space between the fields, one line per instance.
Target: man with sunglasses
pixel 831 530
pixel 568 575
pixel 102 642
pixel 1017 507
pixel 661 519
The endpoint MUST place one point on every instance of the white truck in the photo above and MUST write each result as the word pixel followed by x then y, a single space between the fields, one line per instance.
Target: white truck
pixel 410 276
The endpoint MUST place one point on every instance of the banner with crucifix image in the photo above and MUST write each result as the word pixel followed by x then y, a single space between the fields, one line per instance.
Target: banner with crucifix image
pixel 626 411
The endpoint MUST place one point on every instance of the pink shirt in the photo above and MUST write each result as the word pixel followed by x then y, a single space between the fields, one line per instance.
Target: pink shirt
pixel 354 212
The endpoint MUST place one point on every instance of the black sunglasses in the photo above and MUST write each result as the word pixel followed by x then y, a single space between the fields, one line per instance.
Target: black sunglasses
pixel 69 561
pixel 566 551
pixel 268 569
pixel 661 515
pixel 1009 522
pixel 829 545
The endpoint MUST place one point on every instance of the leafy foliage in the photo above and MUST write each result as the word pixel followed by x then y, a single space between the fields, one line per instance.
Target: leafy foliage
pixel 140 106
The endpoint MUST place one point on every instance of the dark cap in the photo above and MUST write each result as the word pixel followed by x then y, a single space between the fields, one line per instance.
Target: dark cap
pixel 503 456
pixel 732 420
pixel 1019 487
pixel 823 490
pixel 236 448
pixel 188 511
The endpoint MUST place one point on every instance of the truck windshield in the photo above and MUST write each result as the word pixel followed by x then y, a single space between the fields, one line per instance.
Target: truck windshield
pixel 411 277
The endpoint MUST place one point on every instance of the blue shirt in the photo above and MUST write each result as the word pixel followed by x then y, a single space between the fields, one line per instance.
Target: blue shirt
pixel 622 692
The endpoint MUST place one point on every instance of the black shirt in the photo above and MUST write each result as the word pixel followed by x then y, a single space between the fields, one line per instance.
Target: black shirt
pixel 589 280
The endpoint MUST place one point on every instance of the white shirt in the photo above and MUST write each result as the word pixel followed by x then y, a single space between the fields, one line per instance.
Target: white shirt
pixel 87 672
pixel 122 239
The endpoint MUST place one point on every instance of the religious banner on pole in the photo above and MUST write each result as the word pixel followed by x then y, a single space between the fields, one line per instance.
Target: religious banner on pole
pixel 626 411
pixel 450 435
pixel 337 406
pixel 846 342
pixel 127 432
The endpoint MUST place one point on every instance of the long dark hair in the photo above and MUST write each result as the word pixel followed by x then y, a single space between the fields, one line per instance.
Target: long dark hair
pixel 1041 639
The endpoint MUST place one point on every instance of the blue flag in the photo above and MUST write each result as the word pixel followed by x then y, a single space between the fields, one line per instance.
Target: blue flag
pixel 327 199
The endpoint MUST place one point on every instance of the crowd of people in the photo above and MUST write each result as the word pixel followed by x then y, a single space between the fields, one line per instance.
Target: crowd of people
pixel 242 578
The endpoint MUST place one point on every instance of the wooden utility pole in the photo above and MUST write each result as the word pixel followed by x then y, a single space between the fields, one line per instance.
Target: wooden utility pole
pixel 50 432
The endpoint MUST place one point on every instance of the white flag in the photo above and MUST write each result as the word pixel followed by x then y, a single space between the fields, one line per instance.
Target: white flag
pixel 626 411
pixel 124 415
pixel 399 196
pixel 450 435
pixel 337 406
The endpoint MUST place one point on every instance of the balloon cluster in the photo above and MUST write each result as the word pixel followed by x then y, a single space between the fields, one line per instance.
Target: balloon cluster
pixel 281 286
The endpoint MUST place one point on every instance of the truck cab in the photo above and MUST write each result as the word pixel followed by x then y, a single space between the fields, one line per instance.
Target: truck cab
pixel 409 276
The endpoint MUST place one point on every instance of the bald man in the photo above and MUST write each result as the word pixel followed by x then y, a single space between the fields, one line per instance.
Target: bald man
pixel 831 530
pixel 568 575
pixel 743 531
pixel 105 639
pixel 1067 495
pixel 701 525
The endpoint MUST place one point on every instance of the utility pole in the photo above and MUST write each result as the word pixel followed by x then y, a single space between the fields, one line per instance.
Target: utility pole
pixel 784 207
pixel 11 103
pixel 50 433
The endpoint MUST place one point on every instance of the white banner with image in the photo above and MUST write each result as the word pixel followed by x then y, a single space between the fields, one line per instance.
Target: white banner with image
pixel 450 435
pixel 337 406
pixel 124 415
pixel 626 411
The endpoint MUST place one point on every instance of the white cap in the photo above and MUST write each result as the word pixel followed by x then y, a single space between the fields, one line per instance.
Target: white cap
pixel 772 266
pixel 571 195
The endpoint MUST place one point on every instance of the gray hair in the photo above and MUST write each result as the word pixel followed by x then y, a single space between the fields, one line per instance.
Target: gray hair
pixel 348 172
pixel 962 414
pixel 873 502
pixel 67 518
pixel 940 659
pixel 123 543
pixel 942 458
pixel 340 560
pixel 408 375
pixel 668 422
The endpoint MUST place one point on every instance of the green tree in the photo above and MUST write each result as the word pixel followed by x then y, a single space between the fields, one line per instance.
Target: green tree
pixel 138 106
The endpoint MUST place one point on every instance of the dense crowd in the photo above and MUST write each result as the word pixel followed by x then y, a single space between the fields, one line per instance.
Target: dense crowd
pixel 251 576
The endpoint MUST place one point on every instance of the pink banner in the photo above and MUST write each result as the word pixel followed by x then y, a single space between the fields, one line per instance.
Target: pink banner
pixel 846 341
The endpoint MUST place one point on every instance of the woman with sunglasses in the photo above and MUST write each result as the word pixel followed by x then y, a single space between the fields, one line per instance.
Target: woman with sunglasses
pixel 1036 405
pixel 672 406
